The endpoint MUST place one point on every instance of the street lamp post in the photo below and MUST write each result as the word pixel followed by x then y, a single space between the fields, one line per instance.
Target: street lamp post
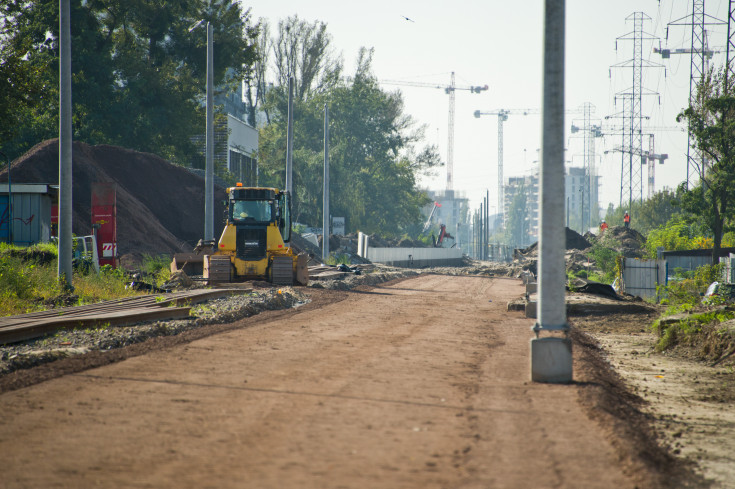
pixel 64 268
pixel 209 136
pixel 209 164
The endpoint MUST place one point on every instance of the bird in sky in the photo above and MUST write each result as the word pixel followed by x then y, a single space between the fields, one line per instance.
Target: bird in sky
pixel 410 20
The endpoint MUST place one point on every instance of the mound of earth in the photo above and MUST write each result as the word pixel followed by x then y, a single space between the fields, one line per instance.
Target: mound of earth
pixel 626 241
pixel 574 241
pixel 160 206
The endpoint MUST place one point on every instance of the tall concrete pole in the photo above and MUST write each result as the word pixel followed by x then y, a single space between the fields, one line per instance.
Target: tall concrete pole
pixel 289 139
pixel 209 168
pixel 487 225
pixel 551 357
pixel 483 243
pixel 325 196
pixel 65 148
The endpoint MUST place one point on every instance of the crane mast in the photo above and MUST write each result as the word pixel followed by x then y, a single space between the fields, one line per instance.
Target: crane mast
pixel 502 117
pixel 450 138
pixel 449 90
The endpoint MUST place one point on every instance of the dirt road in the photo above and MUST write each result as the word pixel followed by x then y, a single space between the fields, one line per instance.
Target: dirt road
pixel 418 384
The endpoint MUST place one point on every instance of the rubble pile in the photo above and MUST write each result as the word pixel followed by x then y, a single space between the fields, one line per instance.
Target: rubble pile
pixel 574 241
pixel 575 257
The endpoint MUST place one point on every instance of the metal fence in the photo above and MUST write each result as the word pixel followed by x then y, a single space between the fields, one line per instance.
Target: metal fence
pixel 728 269
pixel 642 277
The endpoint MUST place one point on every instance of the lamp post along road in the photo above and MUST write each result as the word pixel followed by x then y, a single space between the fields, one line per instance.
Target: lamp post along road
pixel 64 270
pixel 325 202
pixel 289 138
pixel 551 357
pixel 209 150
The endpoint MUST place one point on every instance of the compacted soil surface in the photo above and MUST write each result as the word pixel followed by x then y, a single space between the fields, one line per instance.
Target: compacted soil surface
pixel 691 403
pixel 418 383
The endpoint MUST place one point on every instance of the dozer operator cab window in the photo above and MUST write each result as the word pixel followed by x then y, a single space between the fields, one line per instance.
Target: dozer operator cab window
pixel 252 210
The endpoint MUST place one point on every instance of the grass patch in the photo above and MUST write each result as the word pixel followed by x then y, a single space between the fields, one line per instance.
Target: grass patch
pixel 338 259
pixel 158 267
pixel 695 329
pixel 29 282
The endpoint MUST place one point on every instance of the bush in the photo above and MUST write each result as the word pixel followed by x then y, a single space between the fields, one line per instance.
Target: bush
pixel 29 281
pixel 606 260
pixel 687 330
pixel 687 288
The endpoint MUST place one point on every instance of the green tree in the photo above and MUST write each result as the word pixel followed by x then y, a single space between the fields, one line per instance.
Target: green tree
pixel 682 232
pixel 648 214
pixel 304 50
pixel 711 120
pixel 138 71
pixel 374 161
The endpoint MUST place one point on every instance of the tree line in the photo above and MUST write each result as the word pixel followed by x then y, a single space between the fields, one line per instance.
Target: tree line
pixel 139 69
pixel 375 154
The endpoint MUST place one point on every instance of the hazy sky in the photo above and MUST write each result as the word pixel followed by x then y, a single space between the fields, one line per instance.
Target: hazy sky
pixel 499 43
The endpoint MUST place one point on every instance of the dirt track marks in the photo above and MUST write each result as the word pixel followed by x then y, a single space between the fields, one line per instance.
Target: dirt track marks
pixel 418 384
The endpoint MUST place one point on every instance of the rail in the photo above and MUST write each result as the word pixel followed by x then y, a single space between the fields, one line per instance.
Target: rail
pixel 118 312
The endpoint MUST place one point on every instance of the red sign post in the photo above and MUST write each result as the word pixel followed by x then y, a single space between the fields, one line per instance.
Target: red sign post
pixel 104 222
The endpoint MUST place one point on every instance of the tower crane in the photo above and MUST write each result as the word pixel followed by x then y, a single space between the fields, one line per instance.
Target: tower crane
pixel 647 157
pixel 449 90
pixel 502 117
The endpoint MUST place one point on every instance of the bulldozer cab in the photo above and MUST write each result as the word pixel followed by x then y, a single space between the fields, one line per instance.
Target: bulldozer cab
pixel 261 206
pixel 260 211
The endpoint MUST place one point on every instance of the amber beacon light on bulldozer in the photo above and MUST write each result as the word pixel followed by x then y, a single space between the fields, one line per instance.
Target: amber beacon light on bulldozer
pixel 253 245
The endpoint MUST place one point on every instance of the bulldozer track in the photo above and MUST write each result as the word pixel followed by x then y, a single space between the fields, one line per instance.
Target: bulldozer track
pixel 117 312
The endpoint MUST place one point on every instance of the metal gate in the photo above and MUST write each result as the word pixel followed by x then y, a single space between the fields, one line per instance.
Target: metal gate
pixel 642 277
pixel 728 269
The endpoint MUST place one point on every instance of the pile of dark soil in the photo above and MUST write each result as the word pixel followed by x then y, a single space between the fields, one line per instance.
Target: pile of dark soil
pixel 160 206
pixel 574 241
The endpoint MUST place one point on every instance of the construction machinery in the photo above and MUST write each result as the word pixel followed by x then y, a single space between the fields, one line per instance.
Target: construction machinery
pixel 253 243
pixel 427 225
pixel 443 234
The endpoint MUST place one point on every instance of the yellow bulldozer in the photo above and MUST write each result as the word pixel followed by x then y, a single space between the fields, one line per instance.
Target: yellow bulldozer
pixel 253 243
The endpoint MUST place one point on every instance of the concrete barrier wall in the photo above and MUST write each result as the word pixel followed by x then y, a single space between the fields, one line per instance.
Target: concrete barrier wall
pixel 416 257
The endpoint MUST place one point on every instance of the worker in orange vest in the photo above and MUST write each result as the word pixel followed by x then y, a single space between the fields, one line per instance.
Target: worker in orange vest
pixel 603 226
pixel 626 219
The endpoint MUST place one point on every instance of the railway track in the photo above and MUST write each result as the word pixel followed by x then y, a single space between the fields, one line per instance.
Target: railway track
pixel 119 312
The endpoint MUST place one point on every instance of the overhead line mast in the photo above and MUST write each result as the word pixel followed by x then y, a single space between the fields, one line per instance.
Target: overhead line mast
pixel 631 170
